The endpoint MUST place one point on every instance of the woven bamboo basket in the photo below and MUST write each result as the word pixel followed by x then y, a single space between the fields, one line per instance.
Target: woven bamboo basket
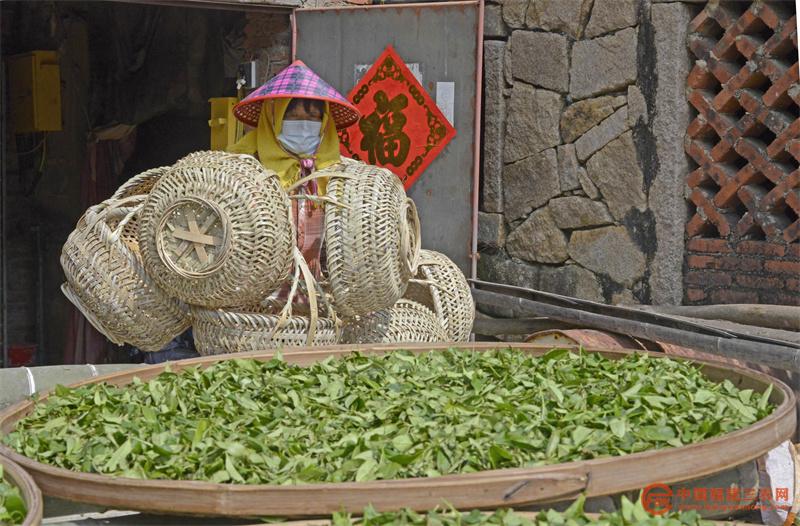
pixel 140 184
pixel 216 230
pixel 272 324
pixel 372 238
pixel 106 280
pixel 254 329
pixel 405 322
pixel 441 286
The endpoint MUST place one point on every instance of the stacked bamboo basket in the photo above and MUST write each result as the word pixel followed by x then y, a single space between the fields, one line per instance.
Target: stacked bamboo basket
pixel 209 242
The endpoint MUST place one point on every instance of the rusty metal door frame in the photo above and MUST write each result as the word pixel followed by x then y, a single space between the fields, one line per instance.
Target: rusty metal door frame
pixel 473 256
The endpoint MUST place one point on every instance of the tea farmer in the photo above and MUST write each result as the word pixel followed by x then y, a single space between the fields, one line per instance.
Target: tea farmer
pixel 296 115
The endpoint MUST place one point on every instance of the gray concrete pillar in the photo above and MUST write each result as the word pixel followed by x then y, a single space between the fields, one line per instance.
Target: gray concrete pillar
pixel 670 23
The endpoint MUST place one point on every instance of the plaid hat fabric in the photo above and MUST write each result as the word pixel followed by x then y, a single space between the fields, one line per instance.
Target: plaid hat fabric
pixel 297 80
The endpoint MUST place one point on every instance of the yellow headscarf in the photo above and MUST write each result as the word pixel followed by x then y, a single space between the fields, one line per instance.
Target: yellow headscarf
pixel 264 141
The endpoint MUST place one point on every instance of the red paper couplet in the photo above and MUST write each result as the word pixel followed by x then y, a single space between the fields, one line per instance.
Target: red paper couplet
pixel 401 129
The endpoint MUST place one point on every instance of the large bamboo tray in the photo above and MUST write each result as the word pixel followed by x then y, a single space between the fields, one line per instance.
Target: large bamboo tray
pixel 27 488
pixel 488 489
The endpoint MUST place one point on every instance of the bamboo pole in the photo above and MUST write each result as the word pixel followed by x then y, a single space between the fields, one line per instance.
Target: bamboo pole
pixel 783 317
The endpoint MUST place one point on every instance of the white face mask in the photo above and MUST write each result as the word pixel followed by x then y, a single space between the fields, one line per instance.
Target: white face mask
pixel 300 137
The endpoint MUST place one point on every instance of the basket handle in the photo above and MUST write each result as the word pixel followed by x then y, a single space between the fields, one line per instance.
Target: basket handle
pixel 286 311
pixel 410 235
pixel 431 283
pixel 118 231
pixel 301 268
pixel 316 298
pixel 316 175
pixel 114 207
pixel 321 199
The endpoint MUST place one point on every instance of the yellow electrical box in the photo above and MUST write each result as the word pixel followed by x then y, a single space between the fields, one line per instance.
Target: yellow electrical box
pixel 34 91
pixel 225 128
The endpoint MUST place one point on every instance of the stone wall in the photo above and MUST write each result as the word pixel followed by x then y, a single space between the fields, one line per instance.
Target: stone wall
pixel 583 168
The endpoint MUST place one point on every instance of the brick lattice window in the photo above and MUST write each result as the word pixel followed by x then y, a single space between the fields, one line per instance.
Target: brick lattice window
pixel 744 194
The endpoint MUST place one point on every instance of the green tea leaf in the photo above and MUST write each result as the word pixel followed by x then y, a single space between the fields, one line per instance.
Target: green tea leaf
pixel 552 443
pixel 764 402
pixel 499 454
pixel 702 396
pixel 555 390
pixel 402 443
pixel 656 433
pixel 554 354
pixel 632 391
pixel 580 434
pixel 119 455
pixel 230 467
pixel 618 427
pixel 365 470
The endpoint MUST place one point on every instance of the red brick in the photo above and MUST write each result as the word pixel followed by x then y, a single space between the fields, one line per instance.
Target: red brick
pixel 793 284
pixel 696 225
pixel 750 150
pixel 708 278
pixel 701 78
pixel 695 149
pixel 700 261
pixel 792 232
pixel 759 282
pixel 794 251
pixel 769 16
pixel 781 86
pixel 695 295
pixel 709 245
pixel 760 248
pixel 703 199
pixel 738 263
pixel 783 267
pixel 733 296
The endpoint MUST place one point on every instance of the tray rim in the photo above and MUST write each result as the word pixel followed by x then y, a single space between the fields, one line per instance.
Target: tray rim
pixel 28 488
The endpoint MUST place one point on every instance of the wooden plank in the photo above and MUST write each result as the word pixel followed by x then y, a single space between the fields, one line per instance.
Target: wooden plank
pixel 779 356
pixel 487 489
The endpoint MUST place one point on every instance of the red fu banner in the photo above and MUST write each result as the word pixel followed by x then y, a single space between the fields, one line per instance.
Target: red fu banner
pixel 401 129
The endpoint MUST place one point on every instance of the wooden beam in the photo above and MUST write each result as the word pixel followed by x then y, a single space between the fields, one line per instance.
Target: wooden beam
pixel 784 317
